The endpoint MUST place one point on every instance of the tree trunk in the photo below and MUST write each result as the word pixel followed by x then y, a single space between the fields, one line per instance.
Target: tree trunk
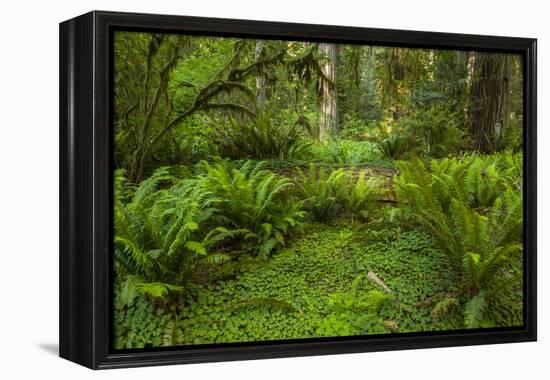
pixel 399 86
pixel 260 79
pixel 328 122
pixel 488 100
pixel 467 59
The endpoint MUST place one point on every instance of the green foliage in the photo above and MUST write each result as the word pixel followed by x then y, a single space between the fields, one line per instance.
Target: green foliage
pixel 191 147
pixel 444 307
pixel 326 195
pixel 353 128
pixel 266 303
pixel 313 289
pixel 359 195
pixel 162 232
pixel 437 129
pixel 255 201
pixel 139 323
pixel 173 336
pixel 286 298
pixel 170 224
pixel 510 166
pixel 319 189
pixel 158 289
pixel 258 139
pixel 355 312
pixel 346 152
pixel 432 132
pixel 397 146
pixel 474 310
pixel 475 214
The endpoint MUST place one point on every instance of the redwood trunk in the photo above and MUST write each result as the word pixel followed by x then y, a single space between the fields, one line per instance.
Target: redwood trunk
pixel 260 79
pixel 489 101
pixel 328 122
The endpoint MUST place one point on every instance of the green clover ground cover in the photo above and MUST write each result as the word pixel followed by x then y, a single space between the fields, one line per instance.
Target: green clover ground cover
pixel 318 286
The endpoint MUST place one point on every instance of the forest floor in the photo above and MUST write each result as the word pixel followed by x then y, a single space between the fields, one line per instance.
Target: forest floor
pixel 316 287
pixel 341 278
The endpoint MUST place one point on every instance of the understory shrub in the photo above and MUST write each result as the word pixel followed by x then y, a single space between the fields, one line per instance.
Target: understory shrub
pixel 397 146
pixel 346 152
pixel 353 127
pixel 358 195
pixel 167 225
pixel 356 311
pixel 475 213
pixel 326 195
pixel 254 200
pixel 163 230
pixel 437 130
pixel 259 139
pixel 318 188
pixel 434 132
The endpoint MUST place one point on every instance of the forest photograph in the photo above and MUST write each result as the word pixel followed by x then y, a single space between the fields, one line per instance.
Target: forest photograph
pixel 269 190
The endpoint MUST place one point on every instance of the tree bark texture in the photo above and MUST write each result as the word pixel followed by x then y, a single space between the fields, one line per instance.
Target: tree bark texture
pixel 328 122
pixel 260 79
pixel 489 100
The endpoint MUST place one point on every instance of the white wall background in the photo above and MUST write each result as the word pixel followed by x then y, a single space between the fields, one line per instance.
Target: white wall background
pixel 29 187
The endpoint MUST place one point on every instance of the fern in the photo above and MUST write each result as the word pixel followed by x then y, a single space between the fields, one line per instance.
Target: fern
pixel 506 216
pixel 217 258
pixel 158 289
pixel 255 202
pixel 259 139
pixel 474 311
pixel 396 146
pixel 474 210
pixel 351 311
pixel 163 230
pixel 173 336
pixel 319 190
pixel 375 300
pixel 358 196
pixel 484 183
pixel 326 195
pixel 346 152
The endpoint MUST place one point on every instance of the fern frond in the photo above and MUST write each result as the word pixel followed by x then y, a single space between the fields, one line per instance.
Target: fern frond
pixel 495 260
pixel 158 289
pixel 375 300
pixel 266 247
pixel 172 336
pixel 474 311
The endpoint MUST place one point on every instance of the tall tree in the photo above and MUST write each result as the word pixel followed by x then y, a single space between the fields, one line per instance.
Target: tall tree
pixel 328 120
pixel 144 99
pixel 489 100
pixel 398 71
pixel 260 78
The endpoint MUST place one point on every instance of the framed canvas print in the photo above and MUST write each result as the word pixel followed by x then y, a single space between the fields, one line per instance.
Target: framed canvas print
pixel 236 189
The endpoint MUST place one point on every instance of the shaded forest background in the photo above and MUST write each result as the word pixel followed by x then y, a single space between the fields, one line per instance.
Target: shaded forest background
pixel 177 97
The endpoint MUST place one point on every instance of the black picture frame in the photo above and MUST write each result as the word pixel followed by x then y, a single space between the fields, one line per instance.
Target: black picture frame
pixel 86 197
